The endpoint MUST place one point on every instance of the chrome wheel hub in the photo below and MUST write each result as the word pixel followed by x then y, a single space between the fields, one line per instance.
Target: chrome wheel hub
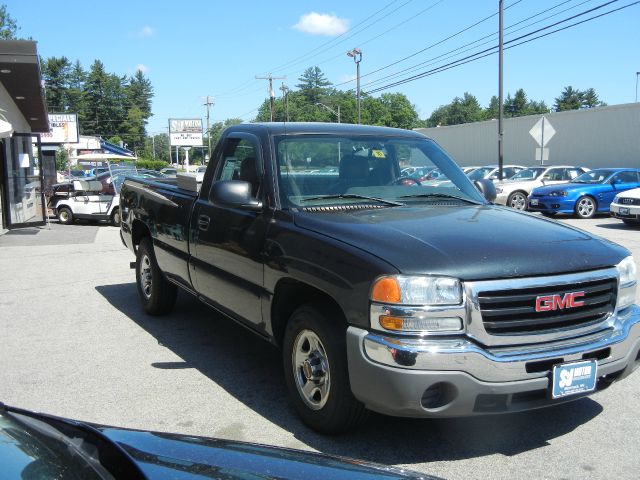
pixel 518 201
pixel 146 276
pixel 311 369
pixel 585 207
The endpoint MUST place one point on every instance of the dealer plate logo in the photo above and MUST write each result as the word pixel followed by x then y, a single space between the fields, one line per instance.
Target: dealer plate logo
pixel 574 378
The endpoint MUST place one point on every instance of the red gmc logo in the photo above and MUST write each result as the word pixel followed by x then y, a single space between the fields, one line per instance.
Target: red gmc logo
pixel 546 303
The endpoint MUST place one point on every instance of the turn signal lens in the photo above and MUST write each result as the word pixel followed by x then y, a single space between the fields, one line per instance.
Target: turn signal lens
pixel 421 324
pixel 391 323
pixel 386 290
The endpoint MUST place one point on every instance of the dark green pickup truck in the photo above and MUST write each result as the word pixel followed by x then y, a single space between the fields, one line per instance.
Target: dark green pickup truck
pixel 384 292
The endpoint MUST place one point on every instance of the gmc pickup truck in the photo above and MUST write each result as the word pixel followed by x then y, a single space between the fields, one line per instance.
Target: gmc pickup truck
pixel 385 294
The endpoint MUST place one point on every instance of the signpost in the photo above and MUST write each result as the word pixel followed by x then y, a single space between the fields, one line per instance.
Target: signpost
pixel 187 133
pixel 542 132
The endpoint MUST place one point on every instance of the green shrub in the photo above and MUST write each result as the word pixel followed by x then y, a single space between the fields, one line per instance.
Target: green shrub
pixel 151 164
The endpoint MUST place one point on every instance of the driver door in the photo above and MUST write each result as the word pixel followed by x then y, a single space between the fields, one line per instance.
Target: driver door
pixel 227 258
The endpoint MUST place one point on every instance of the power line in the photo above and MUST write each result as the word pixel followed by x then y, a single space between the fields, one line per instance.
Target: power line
pixel 492 50
pixel 478 42
pixel 244 86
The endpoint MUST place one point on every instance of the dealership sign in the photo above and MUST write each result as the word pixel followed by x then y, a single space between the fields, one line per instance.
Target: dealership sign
pixel 63 128
pixel 185 132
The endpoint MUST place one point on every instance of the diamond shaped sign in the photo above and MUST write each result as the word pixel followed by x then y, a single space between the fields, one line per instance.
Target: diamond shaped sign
pixel 542 131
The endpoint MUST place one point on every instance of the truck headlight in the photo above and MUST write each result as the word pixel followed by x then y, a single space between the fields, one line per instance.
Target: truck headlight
pixel 616 199
pixel 417 305
pixel 417 290
pixel 627 281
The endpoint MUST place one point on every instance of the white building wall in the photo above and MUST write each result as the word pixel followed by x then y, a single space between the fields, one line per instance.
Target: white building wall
pixel 597 137
pixel 11 112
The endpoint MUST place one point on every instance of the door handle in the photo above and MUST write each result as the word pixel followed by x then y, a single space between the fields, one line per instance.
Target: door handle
pixel 203 222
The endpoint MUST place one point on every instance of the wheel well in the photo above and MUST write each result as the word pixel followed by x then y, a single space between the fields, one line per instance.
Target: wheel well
pixel 138 231
pixel 519 191
pixel 291 294
pixel 595 201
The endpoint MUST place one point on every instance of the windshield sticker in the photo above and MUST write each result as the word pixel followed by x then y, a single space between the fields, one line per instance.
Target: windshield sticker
pixel 378 154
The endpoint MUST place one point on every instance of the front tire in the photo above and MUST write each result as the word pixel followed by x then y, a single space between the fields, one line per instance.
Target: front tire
pixel 517 200
pixel 586 207
pixel 65 215
pixel 316 372
pixel 157 295
pixel 115 217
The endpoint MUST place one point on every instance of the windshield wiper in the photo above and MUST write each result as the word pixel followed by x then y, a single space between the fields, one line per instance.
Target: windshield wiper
pixel 438 195
pixel 353 195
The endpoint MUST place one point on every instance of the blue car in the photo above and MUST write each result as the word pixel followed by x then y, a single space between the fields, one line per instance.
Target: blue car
pixel 590 193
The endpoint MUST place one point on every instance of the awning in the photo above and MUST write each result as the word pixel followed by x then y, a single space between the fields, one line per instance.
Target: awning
pixel 103 156
pixel 110 147
pixel 20 76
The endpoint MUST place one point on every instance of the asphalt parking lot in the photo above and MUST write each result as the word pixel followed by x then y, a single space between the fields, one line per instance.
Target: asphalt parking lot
pixel 75 343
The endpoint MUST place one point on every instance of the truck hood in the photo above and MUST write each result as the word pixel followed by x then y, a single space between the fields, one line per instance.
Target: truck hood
pixel 470 242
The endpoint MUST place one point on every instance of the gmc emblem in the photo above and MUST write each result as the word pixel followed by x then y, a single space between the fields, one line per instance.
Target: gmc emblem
pixel 546 303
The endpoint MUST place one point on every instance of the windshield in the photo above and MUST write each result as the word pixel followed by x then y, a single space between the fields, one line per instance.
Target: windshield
pixel 480 173
pixel 594 176
pixel 318 170
pixel 528 174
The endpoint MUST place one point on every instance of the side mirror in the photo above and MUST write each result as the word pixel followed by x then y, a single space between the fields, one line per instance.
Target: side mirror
pixel 234 193
pixel 487 189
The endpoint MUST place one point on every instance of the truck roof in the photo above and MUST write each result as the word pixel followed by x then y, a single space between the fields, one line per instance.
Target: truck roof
pixel 294 128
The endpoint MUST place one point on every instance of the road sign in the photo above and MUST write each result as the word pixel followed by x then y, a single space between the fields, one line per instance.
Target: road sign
pixel 542 131
pixel 542 154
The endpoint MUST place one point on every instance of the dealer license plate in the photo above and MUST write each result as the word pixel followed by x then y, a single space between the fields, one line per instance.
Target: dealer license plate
pixel 533 201
pixel 574 378
pixel 623 210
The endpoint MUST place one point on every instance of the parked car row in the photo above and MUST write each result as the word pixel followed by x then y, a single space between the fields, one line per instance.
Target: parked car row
pixel 585 196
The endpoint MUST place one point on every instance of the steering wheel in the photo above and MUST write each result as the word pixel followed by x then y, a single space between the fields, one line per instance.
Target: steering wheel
pixel 408 181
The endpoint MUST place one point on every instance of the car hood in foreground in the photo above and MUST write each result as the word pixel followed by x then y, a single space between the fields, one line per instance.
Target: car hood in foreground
pixel 168 455
pixel 469 242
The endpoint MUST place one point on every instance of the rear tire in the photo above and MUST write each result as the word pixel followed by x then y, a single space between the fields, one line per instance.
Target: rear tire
pixel 157 295
pixel 65 216
pixel 586 207
pixel 316 372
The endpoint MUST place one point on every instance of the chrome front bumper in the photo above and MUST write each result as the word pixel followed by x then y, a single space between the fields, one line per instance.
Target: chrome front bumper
pixel 393 375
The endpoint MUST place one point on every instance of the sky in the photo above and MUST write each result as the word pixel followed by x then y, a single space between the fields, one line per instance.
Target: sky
pixel 193 49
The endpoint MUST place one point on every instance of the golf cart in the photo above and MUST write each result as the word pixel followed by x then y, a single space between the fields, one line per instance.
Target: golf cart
pixel 84 200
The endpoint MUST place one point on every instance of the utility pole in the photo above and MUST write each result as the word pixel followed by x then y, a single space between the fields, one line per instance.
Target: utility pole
pixel 500 94
pixel 285 94
pixel 153 142
pixel 209 103
pixel 272 95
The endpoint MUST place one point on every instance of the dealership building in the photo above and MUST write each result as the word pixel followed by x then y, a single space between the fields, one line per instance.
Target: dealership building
pixel 23 114
pixel 593 137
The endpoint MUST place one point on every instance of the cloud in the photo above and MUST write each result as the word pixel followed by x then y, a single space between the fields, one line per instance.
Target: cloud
pixel 322 24
pixel 143 68
pixel 146 31
pixel 347 78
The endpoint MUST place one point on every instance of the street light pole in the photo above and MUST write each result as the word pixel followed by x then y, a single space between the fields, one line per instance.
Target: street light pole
pixel 637 74
pixel 356 54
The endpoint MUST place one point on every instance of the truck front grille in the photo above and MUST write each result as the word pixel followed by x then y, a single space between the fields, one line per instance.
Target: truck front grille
pixel 547 308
